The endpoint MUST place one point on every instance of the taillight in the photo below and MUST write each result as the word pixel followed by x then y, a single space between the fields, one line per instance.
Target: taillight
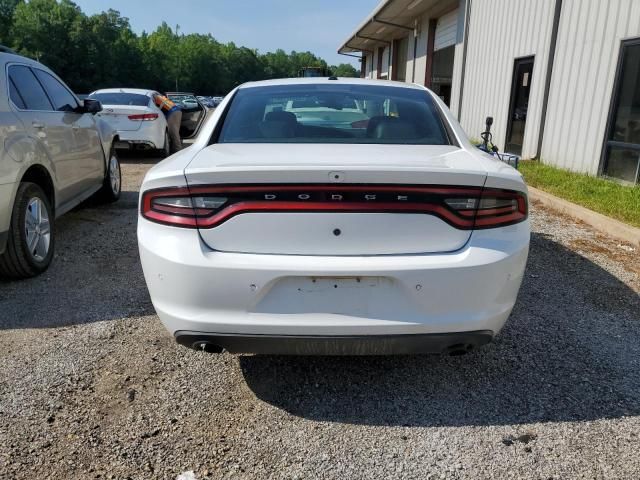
pixel 464 208
pixel 144 117
pixel 175 206
pixel 493 208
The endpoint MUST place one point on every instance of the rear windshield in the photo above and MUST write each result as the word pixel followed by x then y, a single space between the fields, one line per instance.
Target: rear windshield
pixel 333 114
pixel 134 99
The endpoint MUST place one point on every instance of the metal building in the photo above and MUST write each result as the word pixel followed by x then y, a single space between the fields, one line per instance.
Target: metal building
pixel 560 77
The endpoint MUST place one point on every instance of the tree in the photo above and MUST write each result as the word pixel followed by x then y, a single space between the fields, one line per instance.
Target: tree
pixel 102 51
pixel 344 70
pixel 7 7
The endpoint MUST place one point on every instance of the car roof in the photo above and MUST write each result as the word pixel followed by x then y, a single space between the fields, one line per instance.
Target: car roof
pixel 10 57
pixel 330 81
pixel 139 91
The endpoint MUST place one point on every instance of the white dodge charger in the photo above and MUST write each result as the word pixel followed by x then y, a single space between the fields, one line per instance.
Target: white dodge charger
pixel 333 216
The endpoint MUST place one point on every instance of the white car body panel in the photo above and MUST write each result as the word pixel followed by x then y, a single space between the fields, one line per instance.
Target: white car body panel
pixel 196 289
pixel 311 234
pixel 284 275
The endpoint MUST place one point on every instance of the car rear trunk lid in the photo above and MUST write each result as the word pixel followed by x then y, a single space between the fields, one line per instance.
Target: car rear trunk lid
pixel 118 116
pixel 333 199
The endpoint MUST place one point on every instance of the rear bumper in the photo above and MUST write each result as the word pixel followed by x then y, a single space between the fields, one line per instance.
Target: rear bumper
pixel 135 144
pixel 148 136
pixel 7 194
pixel 453 343
pixel 248 299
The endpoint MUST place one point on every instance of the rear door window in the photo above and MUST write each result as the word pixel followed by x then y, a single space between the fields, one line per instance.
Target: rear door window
pixel 30 90
pixel 63 100
pixel 15 96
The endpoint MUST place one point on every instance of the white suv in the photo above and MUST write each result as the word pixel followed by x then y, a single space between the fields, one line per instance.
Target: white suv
pixel 53 155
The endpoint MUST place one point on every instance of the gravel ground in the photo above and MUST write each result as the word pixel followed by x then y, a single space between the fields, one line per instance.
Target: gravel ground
pixel 91 385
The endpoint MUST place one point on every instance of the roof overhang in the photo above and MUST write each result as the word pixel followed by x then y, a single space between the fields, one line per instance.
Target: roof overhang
pixel 392 19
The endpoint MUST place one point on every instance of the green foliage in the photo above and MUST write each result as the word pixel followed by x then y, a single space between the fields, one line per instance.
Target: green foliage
pixel 98 51
pixel 7 7
pixel 345 70
pixel 601 195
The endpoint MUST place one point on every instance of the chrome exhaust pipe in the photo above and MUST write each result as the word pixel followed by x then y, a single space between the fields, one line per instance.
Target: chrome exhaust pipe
pixel 459 349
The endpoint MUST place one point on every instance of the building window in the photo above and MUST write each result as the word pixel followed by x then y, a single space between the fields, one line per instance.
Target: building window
pixel 622 149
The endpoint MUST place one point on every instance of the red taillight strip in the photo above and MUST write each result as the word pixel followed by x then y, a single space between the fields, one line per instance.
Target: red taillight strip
pixel 182 210
pixel 461 219
pixel 144 117
pixel 351 207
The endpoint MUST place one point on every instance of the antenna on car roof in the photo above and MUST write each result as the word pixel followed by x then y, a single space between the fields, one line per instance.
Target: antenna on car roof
pixel 333 77
pixel 4 49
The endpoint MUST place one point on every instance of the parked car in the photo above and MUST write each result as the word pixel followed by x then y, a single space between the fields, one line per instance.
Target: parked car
pixel 278 232
pixel 134 115
pixel 206 101
pixel 193 113
pixel 54 153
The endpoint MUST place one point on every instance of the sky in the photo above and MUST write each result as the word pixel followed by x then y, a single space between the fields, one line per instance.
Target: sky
pixel 319 26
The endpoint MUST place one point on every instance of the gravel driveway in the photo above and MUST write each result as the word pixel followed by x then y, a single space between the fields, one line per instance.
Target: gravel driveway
pixel 91 385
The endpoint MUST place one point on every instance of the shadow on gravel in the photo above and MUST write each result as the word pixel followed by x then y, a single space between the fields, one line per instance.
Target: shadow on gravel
pixel 95 274
pixel 140 157
pixel 570 352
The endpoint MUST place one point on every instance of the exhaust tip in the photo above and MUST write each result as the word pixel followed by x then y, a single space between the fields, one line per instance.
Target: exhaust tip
pixel 203 346
pixel 459 349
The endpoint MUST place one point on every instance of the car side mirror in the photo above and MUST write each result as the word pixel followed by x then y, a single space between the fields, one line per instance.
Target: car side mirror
pixel 92 106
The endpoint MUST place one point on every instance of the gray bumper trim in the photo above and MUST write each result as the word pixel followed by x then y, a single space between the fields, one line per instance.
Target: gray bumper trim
pixel 456 343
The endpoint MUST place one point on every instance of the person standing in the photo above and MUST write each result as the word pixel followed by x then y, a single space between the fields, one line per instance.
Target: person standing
pixel 173 114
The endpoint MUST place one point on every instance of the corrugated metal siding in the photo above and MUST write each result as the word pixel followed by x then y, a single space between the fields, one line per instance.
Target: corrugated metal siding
pixel 457 78
pixel 499 32
pixel 446 31
pixel 587 52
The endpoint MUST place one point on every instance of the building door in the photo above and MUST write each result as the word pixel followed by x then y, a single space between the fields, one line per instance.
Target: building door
pixel 440 63
pixel 622 147
pixel 518 105
pixel 400 59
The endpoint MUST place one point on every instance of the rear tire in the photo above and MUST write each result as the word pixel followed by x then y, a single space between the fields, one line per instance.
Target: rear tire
pixel 30 245
pixel 112 185
pixel 165 151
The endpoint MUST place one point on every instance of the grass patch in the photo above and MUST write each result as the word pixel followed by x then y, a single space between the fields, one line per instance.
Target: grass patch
pixel 598 194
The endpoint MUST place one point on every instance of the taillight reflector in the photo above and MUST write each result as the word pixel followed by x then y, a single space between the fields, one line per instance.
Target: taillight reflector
pixel 144 117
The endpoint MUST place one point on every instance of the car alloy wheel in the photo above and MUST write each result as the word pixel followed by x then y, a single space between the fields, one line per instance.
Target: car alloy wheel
pixel 37 229
pixel 114 175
